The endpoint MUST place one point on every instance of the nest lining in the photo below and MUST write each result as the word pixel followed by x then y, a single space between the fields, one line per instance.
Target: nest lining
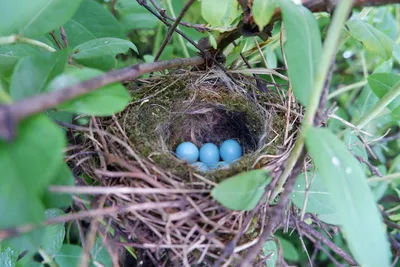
pixel 167 110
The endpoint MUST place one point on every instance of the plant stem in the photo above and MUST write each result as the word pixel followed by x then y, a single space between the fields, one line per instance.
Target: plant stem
pixel 171 10
pixel 12 39
pixel 330 44
pixel 387 178
pixel 380 106
pixel 346 88
pixel 47 258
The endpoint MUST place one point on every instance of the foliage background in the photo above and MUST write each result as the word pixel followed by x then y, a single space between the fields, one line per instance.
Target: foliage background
pixel 103 36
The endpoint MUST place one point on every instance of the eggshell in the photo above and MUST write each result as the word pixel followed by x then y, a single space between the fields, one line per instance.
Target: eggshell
pixel 200 166
pixel 230 150
pixel 188 152
pixel 209 154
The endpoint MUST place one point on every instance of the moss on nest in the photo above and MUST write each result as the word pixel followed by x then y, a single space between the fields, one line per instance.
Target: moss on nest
pixel 169 110
pixel 138 152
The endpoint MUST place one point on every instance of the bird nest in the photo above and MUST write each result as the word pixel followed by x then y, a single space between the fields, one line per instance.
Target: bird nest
pixel 166 211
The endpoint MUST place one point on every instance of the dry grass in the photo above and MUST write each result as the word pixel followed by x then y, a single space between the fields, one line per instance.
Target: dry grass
pixel 130 159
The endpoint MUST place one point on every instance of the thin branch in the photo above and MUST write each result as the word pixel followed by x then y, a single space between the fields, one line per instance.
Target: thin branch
pixel 172 29
pixel 373 169
pixel 387 178
pixel 11 114
pixel 204 53
pixel 56 40
pixel 63 35
pixel 11 232
pixel 198 27
pixel 312 5
pixel 307 228
pixel 12 39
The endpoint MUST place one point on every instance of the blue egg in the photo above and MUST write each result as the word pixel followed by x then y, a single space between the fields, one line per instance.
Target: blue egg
pixel 188 152
pixel 200 166
pixel 219 165
pixel 230 150
pixel 209 154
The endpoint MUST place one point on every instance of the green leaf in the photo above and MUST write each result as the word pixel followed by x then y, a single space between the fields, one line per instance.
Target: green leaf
pixel 14 198
pixel 32 73
pixel 219 13
pixel 35 18
pixel 19 160
pixel 68 256
pixel 351 196
pixel 29 261
pixel 11 54
pixel 8 257
pixel 242 191
pixel 54 234
pixel 262 12
pixel 100 53
pixel 396 113
pixel 270 250
pixel 25 175
pixel 63 176
pixel 354 144
pixel 100 254
pixel 104 101
pixel 302 51
pixel 319 198
pixel 289 251
pixel 103 47
pixel 91 21
pixel 134 16
pixel 372 39
pixel 382 83
pixel 104 63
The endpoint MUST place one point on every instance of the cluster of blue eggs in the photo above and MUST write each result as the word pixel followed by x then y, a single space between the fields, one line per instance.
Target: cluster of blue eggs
pixel 209 154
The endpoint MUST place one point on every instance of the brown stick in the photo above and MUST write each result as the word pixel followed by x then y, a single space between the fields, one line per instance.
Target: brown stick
pixel 307 228
pixel 198 27
pixel 172 28
pixel 11 114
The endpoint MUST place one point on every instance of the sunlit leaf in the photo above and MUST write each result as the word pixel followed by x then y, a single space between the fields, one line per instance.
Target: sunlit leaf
pixel 242 191
pixel 262 11
pixel 302 51
pixel 372 39
pixel 219 13
pixel 8 256
pixel 351 196
pixel 34 18
pixel 104 101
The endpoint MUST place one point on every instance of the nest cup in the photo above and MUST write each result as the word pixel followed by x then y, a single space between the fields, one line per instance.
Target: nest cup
pixel 180 222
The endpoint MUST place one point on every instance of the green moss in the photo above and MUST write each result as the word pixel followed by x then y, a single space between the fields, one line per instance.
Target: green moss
pixel 142 122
